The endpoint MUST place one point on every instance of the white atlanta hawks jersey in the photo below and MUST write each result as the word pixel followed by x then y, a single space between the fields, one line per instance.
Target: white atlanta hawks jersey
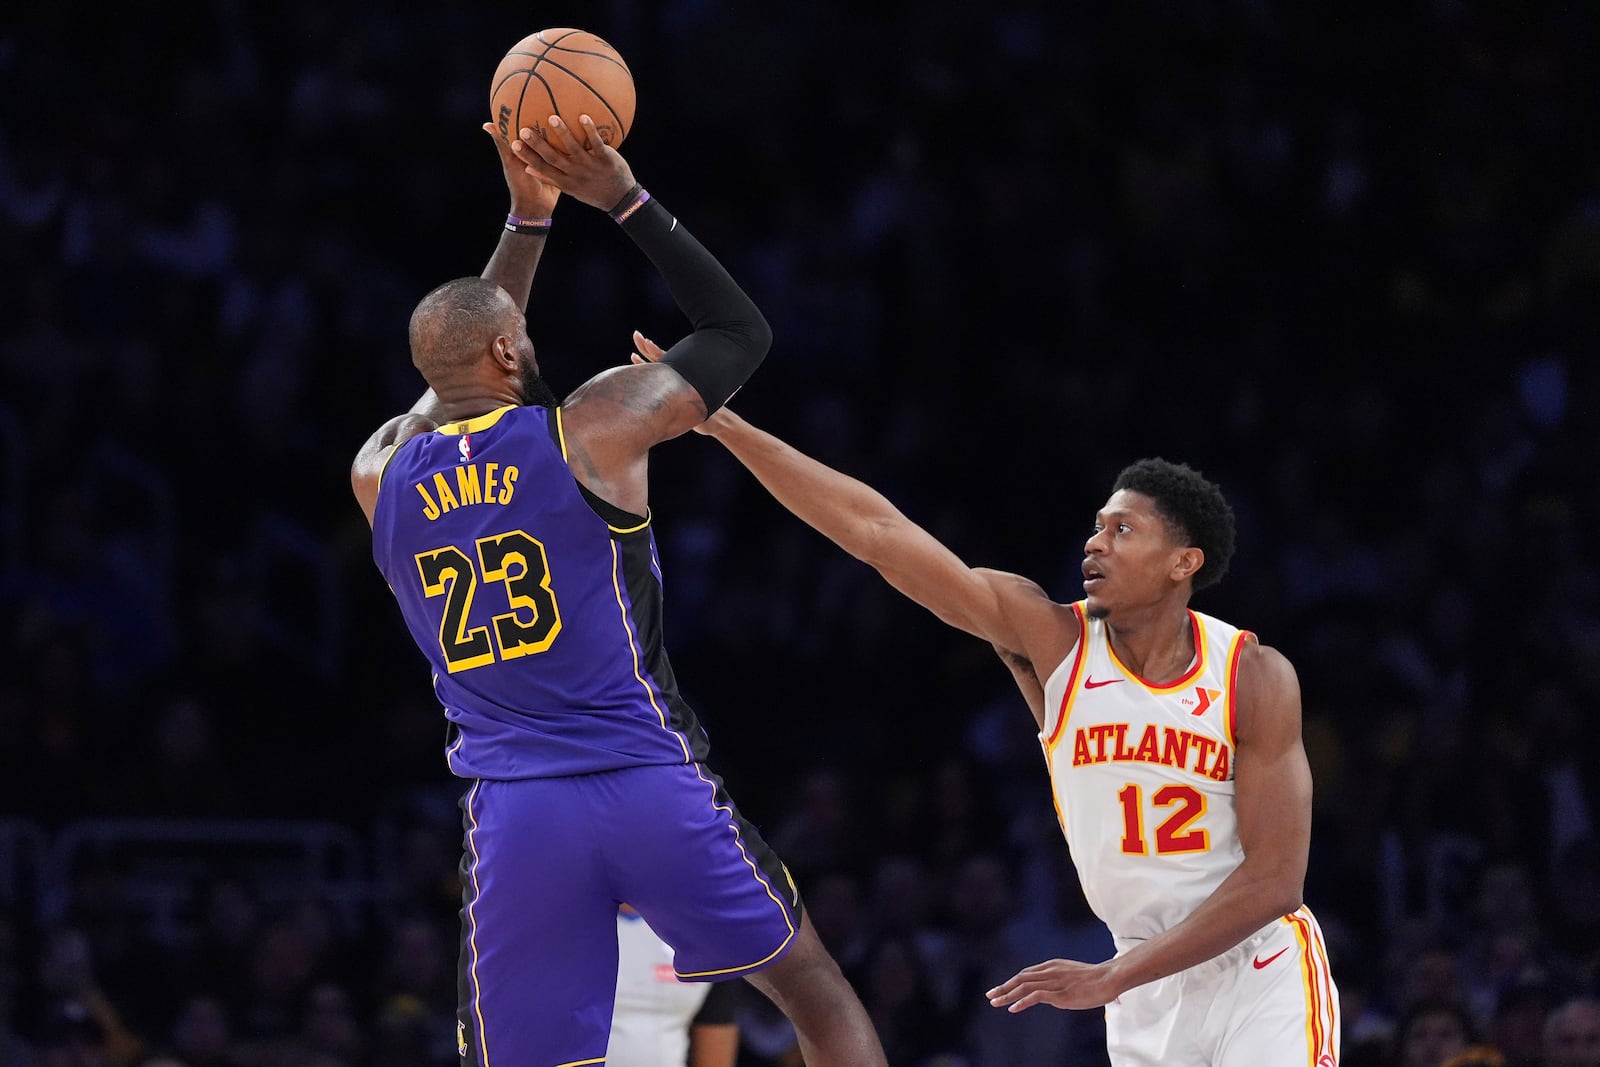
pixel 1143 776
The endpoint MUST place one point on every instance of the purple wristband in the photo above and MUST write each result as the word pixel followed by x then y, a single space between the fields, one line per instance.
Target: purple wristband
pixel 635 199
pixel 536 227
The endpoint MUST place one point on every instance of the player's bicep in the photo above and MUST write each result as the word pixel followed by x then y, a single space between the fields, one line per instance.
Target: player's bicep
pixel 980 601
pixel 622 412
pixel 1272 776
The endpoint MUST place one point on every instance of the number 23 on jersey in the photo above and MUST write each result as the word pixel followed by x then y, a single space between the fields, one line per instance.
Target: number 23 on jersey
pixel 517 561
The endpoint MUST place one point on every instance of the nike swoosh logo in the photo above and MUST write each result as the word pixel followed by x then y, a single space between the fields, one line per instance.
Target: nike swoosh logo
pixel 1092 684
pixel 1260 963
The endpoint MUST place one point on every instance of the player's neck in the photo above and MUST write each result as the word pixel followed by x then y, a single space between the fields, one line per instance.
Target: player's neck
pixel 1157 645
pixel 469 401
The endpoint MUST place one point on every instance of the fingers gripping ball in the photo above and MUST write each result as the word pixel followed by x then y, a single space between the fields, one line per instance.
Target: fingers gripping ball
pixel 562 72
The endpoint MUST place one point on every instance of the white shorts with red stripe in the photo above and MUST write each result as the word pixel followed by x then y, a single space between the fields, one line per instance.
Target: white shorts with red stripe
pixel 1268 1000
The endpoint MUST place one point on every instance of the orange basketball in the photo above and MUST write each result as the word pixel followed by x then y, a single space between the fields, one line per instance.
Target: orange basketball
pixel 562 72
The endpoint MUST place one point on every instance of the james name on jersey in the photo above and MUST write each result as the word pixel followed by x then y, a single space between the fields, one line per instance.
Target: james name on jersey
pixel 491 486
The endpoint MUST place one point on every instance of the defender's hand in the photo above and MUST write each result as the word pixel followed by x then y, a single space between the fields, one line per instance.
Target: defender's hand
pixel 577 162
pixel 647 351
pixel 531 196
pixel 1060 983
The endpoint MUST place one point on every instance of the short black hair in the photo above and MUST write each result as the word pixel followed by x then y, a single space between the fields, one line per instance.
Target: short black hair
pixel 449 326
pixel 1193 507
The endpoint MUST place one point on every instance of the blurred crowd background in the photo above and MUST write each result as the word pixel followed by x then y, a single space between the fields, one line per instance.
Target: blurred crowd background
pixel 1344 259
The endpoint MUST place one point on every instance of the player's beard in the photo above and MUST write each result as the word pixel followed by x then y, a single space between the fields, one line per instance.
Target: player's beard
pixel 536 392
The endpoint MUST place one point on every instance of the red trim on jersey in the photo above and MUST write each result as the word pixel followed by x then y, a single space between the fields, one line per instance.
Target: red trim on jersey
pixel 1195 668
pixel 1072 679
pixel 1230 713
pixel 1319 988
pixel 1320 952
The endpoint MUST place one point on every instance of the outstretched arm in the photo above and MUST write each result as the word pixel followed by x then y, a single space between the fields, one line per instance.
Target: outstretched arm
pixel 533 201
pixel 1004 609
pixel 1272 793
pixel 730 336
pixel 522 239
pixel 614 419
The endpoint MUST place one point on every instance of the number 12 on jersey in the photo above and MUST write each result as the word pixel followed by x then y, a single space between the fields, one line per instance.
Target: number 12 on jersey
pixel 1174 835
pixel 518 562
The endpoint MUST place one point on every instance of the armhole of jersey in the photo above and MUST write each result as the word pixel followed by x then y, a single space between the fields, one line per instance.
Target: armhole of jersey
pixel 558 431
pixel 383 470
pixel 1235 654
pixel 1062 713
pixel 393 452
pixel 618 520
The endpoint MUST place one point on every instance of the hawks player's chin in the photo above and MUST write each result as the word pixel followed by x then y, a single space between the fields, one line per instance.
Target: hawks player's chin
pixel 1093 604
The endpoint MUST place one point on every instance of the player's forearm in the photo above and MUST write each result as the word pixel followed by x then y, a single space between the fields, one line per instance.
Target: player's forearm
pixel 731 336
pixel 1246 901
pixel 842 509
pixel 515 259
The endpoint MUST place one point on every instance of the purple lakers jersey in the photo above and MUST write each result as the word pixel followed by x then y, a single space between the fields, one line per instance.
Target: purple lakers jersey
pixel 537 604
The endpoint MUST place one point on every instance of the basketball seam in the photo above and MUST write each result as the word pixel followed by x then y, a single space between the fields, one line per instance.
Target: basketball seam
pixel 610 57
pixel 551 44
pixel 525 70
pixel 575 76
pixel 533 72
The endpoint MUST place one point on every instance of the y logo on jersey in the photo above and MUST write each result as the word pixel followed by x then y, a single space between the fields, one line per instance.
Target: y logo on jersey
pixel 464 446
pixel 1198 707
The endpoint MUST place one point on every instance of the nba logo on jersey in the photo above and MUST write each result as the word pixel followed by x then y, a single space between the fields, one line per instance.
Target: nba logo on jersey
pixel 464 446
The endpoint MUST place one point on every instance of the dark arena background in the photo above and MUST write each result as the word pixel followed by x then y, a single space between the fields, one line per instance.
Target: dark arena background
pixel 1345 259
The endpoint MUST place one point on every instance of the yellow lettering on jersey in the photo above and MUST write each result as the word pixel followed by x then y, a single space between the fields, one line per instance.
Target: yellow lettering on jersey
pixel 490 485
pixel 447 499
pixel 467 484
pixel 1207 746
pixel 430 510
pixel 1149 751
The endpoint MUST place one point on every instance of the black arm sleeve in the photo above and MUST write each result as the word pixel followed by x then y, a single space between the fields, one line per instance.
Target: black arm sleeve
pixel 731 336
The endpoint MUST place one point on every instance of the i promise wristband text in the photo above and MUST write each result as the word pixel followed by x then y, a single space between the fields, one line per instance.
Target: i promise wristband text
pixel 631 201
pixel 538 227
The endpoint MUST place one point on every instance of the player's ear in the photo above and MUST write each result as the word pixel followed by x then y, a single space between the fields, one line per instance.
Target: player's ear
pixel 1188 562
pixel 504 351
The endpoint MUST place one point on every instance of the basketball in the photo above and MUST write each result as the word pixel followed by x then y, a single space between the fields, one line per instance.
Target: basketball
pixel 562 72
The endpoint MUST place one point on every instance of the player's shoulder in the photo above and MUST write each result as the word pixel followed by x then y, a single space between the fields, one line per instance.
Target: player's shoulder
pixel 1257 658
pixel 374 456
pixel 376 452
pixel 1266 686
